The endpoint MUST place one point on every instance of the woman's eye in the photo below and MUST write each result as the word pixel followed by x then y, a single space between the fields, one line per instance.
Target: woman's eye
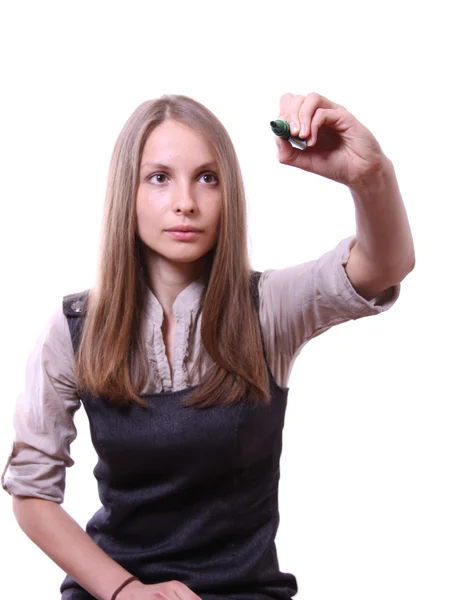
pixel 158 178
pixel 209 178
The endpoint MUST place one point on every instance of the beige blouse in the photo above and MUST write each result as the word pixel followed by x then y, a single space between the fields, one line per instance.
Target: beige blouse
pixel 296 304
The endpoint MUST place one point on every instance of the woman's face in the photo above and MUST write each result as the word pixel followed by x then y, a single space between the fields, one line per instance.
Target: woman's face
pixel 178 189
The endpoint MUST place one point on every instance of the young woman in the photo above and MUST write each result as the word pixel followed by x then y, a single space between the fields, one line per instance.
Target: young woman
pixel 181 355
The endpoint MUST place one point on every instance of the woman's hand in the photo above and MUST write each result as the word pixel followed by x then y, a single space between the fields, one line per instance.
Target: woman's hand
pixel 339 146
pixel 168 590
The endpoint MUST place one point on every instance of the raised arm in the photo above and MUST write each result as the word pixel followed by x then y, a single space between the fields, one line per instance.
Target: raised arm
pixel 362 275
pixel 342 149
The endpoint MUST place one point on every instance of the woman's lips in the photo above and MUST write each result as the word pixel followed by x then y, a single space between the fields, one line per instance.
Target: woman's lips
pixel 184 236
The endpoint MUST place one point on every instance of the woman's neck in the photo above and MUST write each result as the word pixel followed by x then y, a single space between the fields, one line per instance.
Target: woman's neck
pixel 168 279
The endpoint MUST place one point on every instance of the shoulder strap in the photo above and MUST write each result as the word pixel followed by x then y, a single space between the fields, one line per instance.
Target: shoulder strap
pixel 255 276
pixel 74 308
pixel 254 281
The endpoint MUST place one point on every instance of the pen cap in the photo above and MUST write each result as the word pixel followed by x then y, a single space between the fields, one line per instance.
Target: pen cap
pixel 280 128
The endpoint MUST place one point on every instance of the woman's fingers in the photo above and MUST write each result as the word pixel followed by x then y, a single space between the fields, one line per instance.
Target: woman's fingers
pixel 182 591
pixel 309 107
pixel 327 116
pixel 286 152
pixel 293 108
pixel 168 590
pixel 289 111
pixel 298 111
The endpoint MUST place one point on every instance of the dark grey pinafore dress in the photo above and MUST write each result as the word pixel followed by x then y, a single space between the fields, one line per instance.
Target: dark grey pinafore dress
pixel 188 494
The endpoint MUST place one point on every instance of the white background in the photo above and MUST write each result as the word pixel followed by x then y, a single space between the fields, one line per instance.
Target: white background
pixel 373 489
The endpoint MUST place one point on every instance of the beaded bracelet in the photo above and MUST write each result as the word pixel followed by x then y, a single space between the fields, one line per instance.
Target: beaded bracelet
pixel 124 584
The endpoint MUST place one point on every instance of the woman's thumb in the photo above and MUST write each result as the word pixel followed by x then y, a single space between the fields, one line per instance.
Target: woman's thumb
pixel 286 152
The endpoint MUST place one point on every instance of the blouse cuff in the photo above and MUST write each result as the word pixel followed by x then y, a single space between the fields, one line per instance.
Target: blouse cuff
pixel 27 474
pixel 381 303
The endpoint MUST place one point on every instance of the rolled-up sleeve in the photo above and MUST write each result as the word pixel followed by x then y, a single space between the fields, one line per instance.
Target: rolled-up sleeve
pixel 43 417
pixel 299 303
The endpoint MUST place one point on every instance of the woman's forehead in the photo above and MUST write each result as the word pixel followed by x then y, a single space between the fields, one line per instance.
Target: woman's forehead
pixel 178 141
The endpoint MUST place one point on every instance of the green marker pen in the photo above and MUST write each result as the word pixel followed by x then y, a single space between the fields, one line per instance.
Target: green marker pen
pixel 282 129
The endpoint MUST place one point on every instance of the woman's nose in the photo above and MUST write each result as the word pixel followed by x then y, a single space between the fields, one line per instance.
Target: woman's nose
pixel 184 202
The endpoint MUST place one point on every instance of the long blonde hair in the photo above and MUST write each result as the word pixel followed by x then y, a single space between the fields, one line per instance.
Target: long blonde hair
pixel 111 361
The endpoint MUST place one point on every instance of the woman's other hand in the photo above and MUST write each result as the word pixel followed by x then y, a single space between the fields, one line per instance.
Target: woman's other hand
pixel 168 590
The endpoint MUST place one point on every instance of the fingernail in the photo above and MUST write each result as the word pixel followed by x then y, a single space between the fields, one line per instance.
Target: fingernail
pixel 302 131
pixel 294 127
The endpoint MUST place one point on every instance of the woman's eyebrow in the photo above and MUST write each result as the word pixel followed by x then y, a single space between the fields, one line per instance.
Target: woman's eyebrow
pixel 154 165
pixel 211 165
